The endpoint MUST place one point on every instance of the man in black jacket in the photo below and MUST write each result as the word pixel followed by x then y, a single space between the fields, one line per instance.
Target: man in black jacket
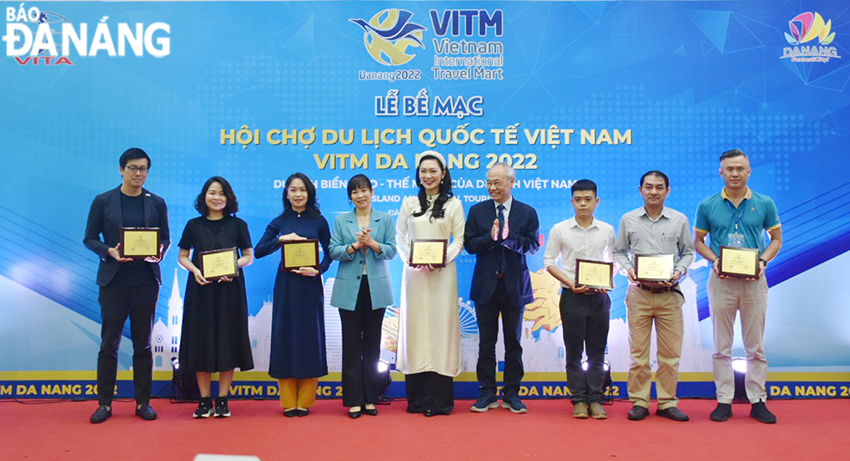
pixel 127 286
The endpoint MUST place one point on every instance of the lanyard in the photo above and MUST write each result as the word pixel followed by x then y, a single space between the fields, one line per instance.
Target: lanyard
pixel 740 215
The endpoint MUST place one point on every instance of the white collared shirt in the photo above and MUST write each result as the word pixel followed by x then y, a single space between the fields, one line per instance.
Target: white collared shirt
pixel 569 241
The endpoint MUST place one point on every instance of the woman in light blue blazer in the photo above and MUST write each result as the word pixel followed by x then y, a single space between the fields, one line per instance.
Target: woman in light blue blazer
pixel 363 241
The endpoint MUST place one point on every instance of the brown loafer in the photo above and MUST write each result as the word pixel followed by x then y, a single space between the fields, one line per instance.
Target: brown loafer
pixel 580 410
pixel 597 412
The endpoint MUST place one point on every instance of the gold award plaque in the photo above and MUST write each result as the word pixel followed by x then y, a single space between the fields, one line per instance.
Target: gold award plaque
pixel 654 268
pixel 428 251
pixel 219 263
pixel 300 253
pixel 739 262
pixel 595 274
pixel 139 242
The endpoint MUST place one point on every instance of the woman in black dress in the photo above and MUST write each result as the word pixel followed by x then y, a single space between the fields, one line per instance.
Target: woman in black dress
pixel 215 314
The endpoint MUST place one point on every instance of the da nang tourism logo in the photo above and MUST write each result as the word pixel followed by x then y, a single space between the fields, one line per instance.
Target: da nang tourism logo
pixel 805 28
pixel 389 34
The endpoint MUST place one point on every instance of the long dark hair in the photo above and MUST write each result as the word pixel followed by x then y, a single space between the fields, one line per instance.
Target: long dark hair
pixel 444 195
pixel 312 208
pixel 201 201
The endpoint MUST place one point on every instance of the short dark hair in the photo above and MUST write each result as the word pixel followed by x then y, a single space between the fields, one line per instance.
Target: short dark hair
pixel 658 174
pixel 732 153
pixel 583 184
pixel 312 207
pixel 356 182
pixel 132 154
pixel 201 201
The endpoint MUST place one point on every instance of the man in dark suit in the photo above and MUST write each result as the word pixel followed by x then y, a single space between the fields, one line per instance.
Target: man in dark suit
pixel 127 286
pixel 500 232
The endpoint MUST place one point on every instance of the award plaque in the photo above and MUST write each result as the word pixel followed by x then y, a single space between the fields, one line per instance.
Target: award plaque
pixel 219 263
pixel 300 253
pixel 653 268
pixel 595 274
pixel 739 262
pixel 139 242
pixel 428 251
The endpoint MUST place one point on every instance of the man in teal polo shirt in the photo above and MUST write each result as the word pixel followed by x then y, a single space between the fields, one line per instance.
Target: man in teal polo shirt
pixel 738 217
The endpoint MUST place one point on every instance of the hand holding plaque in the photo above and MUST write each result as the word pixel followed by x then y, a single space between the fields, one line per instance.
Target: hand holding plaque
pixel 300 253
pixel 428 252
pixel 140 242
pixel 739 262
pixel 219 264
pixel 595 274
pixel 654 268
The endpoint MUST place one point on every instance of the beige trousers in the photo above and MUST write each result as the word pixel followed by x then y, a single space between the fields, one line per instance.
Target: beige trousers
pixel 665 309
pixel 726 297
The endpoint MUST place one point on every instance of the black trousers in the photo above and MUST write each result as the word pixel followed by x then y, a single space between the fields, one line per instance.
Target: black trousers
pixel 361 349
pixel 585 319
pixel 116 304
pixel 429 392
pixel 488 331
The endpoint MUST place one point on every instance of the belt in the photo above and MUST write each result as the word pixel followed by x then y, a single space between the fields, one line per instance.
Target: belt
pixel 659 289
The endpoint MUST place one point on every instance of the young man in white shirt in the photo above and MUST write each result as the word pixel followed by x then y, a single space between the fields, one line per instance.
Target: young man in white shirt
pixel 585 312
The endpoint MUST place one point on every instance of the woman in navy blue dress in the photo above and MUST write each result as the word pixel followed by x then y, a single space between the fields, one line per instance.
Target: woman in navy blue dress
pixel 298 356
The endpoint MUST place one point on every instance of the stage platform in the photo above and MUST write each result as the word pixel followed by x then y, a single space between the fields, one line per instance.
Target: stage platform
pixel 807 429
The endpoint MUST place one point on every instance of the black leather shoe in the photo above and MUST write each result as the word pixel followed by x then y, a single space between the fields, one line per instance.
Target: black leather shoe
pixel 370 411
pixel 353 414
pixel 101 414
pixel 638 413
pixel 672 413
pixel 762 414
pixel 722 412
pixel 430 413
pixel 300 412
pixel 145 412
pixel 290 413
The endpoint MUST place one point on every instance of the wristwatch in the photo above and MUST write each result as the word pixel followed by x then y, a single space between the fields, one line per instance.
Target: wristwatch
pixel 764 261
